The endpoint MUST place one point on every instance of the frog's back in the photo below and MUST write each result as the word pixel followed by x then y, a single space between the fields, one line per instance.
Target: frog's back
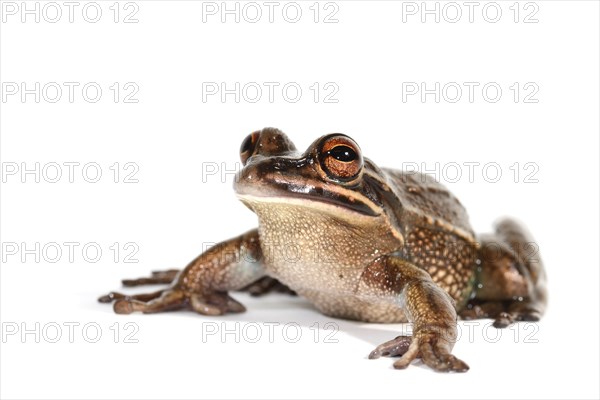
pixel 425 201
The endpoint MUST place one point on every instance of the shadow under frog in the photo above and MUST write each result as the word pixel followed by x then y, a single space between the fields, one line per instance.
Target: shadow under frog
pixel 372 244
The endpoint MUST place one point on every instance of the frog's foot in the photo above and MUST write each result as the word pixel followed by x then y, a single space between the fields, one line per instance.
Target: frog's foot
pixel 502 312
pixel 430 346
pixel 157 277
pixel 214 303
pixel 267 285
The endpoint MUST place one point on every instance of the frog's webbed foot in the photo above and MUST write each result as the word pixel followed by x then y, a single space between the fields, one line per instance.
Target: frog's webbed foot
pixel 267 285
pixel 430 346
pixel 157 277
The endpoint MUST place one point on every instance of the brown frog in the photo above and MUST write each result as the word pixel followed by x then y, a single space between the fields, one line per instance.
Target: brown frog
pixel 359 242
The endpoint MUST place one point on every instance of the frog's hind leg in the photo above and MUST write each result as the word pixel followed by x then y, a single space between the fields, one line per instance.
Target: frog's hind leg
pixel 511 284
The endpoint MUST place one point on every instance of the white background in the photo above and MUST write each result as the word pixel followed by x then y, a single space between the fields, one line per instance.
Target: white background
pixel 172 213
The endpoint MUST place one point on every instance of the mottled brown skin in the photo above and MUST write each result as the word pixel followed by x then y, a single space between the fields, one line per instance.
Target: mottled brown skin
pixel 360 243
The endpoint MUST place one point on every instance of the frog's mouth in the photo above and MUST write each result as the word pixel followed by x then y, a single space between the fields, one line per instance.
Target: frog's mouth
pixel 333 202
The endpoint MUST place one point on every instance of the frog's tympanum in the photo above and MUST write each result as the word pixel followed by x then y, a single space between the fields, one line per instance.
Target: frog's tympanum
pixel 359 242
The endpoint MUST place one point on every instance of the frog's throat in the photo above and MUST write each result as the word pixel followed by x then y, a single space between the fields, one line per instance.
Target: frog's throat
pixel 268 207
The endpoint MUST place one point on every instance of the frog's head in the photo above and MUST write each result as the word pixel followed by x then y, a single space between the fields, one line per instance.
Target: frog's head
pixel 331 176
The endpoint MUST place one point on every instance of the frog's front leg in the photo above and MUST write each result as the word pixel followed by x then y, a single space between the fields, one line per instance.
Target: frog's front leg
pixel 426 305
pixel 204 283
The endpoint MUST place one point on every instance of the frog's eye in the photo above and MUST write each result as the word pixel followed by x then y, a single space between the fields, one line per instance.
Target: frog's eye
pixel 248 146
pixel 340 158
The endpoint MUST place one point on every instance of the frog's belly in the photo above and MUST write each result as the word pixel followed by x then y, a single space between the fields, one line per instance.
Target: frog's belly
pixel 353 307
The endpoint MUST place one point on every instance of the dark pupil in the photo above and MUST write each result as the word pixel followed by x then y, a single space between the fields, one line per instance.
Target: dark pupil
pixel 343 153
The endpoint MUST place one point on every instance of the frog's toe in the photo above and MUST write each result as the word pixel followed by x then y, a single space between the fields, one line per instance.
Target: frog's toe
pixel 483 310
pixel 162 300
pixel 110 297
pixel 201 306
pixel 392 348
pixel 123 306
pixel 217 303
pixel 503 320
pixel 157 277
pixel 532 316
pixel 411 353
pixel 234 306
pixel 441 360
pixel 526 311
pixel 107 298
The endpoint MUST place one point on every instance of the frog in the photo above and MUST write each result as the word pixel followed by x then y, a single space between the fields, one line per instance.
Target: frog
pixel 360 243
